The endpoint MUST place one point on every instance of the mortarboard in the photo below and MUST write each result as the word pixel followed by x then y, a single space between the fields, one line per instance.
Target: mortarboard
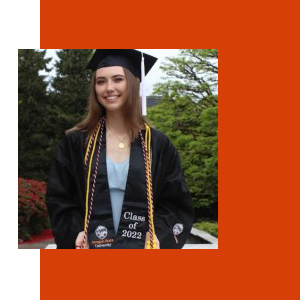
pixel 137 62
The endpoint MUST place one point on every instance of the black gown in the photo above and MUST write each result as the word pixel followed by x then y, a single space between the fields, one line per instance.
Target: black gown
pixel 65 197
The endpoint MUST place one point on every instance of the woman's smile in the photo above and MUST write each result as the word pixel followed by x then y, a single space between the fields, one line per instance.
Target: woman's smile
pixel 111 87
pixel 111 98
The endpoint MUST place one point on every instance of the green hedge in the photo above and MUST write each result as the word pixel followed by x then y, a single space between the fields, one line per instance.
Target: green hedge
pixel 209 227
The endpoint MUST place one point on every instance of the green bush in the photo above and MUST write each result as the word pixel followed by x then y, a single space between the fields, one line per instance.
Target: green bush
pixel 209 227
pixel 32 212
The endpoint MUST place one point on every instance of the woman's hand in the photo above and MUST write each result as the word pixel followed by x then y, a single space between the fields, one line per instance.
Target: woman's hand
pixel 79 241
pixel 148 239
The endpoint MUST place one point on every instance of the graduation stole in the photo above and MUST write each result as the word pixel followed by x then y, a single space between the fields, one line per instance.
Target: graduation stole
pixel 146 147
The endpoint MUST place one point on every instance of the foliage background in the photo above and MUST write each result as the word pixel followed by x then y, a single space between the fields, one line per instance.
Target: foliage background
pixel 187 113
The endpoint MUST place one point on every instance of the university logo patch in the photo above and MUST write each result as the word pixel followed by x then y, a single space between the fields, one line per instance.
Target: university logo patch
pixel 177 229
pixel 101 232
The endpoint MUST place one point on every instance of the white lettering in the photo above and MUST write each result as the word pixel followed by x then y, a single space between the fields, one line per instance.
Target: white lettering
pixel 130 216
pixel 132 234
pixel 125 215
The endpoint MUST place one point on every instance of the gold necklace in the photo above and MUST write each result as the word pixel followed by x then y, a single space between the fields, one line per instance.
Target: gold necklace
pixel 122 141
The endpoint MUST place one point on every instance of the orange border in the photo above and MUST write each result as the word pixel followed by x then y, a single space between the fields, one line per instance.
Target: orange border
pixel 247 264
pixel 130 274
pixel 159 25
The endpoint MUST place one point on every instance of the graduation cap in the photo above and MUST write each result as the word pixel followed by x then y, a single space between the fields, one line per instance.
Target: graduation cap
pixel 135 61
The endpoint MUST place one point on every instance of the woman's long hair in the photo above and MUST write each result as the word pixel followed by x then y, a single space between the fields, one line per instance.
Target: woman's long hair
pixel 132 108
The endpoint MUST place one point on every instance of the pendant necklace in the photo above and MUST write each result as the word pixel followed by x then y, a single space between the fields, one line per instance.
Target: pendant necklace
pixel 122 141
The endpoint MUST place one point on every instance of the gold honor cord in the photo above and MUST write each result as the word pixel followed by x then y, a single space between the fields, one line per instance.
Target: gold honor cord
pixel 149 186
pixel 93 140
pixel 88 180
pixel 88 148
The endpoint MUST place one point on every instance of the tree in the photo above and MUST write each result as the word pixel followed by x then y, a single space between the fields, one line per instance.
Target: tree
pixel 188 114
pixel 44 116
pixel 193 74
pixel 32 103
pixel 71 88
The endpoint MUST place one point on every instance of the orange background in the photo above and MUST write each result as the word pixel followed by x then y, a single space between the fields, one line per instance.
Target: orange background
pixel 255 259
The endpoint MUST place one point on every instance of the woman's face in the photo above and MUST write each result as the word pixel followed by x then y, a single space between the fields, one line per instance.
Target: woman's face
pixel 111 88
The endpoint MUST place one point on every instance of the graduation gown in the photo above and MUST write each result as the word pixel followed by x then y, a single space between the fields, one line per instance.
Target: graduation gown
pixel 65 197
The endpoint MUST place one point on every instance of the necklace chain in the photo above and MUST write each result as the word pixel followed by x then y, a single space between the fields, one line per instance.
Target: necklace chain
pixel 122 141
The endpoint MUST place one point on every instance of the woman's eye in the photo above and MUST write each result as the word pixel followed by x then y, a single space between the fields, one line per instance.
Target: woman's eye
pixel 119 79
pixel 100 82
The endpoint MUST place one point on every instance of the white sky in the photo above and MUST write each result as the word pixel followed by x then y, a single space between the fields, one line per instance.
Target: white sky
pixel 154 74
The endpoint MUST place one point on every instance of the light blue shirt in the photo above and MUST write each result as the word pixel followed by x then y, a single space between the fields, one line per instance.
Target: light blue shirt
pixel 117 177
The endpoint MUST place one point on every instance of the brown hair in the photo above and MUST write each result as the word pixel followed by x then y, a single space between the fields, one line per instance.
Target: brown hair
pixel 132 108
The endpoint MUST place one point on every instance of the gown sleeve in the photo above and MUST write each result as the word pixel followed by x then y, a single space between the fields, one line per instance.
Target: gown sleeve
pixel 65 216
pixel 173 211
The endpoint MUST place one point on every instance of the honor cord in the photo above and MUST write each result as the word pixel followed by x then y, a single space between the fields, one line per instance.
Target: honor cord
pixel 147 157
pixel 88 211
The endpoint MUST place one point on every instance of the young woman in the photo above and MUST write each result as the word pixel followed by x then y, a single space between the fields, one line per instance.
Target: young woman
pixel 116 182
